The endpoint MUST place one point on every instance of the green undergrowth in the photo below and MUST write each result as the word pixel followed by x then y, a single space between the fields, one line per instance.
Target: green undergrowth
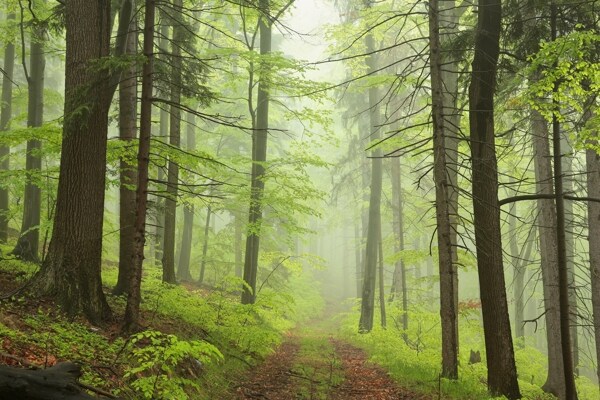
pixel 196 342
pixel 415 362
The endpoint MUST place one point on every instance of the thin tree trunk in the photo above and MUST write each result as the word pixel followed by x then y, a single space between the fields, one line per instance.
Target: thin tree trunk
pixel 168 260
pixel 27 247
pixel 502 372
pixel 381 283
pixel 567 167
pixel 128 174
pixel 555 382
pixel 163 134
pixel 370 269
pixel 593 185
pixel 132 309
pixel 239 256
pixel 398 221
pixel 5 116
pixel 443 185
pixel 205 244
pixel 563 274
pixel 259 156
pixel 72 269
pixel 183 270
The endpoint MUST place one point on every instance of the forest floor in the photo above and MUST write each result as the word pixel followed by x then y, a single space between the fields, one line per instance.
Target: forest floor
pixel 312 363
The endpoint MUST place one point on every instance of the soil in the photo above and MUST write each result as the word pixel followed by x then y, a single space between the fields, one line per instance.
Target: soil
pixel 279 377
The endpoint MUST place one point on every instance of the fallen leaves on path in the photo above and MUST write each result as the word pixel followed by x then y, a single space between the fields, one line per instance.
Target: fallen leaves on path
pixel 365 381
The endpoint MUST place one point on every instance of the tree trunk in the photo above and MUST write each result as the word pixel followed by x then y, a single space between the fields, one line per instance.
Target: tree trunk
pixel 168 260
pixel 183 270
pixel 71 271
pixel 132 309
pixel 443 185
pixel 555 382
pixel 593 187
pixel 259 156
pixel 205 244
pixel 5 116
pixel 239 256
pixel 563 274
pixel 567 168
pixel 128 174
pixel 27 247
pixel 520 258
pixel 370 265
pixel 502 372
pixel 163 134
pixel 381 283
pixel 398 225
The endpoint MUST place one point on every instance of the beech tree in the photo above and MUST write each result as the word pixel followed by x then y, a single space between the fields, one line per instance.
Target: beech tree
pixel 71 271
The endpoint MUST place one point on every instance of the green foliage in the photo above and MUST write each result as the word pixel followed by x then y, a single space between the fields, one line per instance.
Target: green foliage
pixel 155 360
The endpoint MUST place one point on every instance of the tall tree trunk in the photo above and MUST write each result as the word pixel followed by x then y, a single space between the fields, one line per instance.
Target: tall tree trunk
pixel 168 260
pixel 443 185
pixel 593 188
pixel 128 174
pixel 563 274
pixel 239 255
pixel 502 372
pixel 399 281
pixel 132 309
pixel 5 116
pixel 259 156
pixel 183 270
pixel 71 270
pixel 205 244
pixel 567 167
pixel 27 247
pixel 381 283
pixel 159 235
pixel 370 265
pixel 555 382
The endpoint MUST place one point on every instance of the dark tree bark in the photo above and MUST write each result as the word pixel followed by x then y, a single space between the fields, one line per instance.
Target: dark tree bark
pixel 370 266
pixel 183 269
pixel 168 260
pixel 563 273
pixel 163 134
pixel 259 156
pixel 381 281
pixel 128 176
pixel 132 309
pixel 443 185
pixel 71 271
pixel 5 116
pixel 27 247
pixel 502 372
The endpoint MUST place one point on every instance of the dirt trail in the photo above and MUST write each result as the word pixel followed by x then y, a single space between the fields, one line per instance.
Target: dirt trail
pixel 314 365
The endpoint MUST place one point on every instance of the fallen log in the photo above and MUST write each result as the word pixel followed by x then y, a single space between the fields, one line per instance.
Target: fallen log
pixel 55 383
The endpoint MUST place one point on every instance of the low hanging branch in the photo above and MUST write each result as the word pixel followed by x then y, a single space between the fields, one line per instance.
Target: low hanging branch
pixel 525 197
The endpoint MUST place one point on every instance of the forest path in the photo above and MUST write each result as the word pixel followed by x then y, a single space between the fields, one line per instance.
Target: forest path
pixel 313 364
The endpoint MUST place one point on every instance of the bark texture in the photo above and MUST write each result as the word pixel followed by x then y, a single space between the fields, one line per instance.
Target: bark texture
pixel 27 247
pixel 259 156
pixel 5 116
pixel 71 271
pixel 374 224
pixel 555 381
pixel 132 309
pixel 502 372
pixel 128 174
pixel 443 186
pixel 183 268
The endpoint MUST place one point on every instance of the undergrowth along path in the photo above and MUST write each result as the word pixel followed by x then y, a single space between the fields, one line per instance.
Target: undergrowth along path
pixel 313 364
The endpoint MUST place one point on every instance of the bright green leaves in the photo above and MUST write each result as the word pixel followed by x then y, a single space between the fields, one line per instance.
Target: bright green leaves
pixel 567 72
pixel 164 366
